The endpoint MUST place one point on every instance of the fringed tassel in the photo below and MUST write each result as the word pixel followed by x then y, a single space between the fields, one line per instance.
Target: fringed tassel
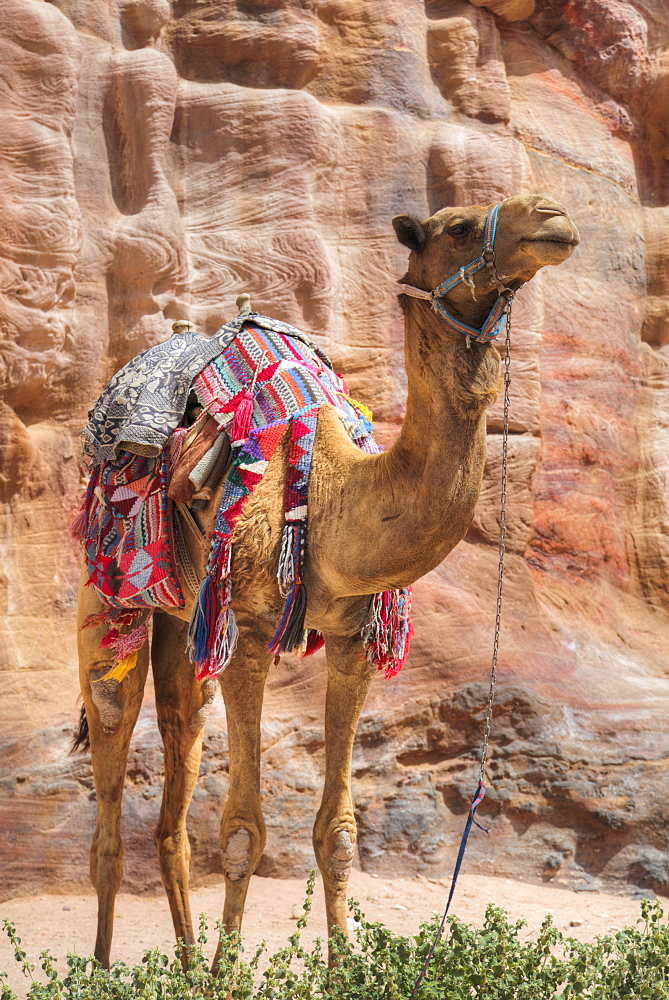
pixel 227 634
pixel 212 633
pixel 315 641
pixel 202 622
pixel 109 640
pixel 126 647
pixel 120 669
pixel 289 636
pixel 291 556
pixel 114 616
pixel 387 636
pixel 79 527
pixel 240 427
pixel 225 644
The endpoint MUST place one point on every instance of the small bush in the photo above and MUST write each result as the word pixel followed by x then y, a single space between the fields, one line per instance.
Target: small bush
pixel 491 963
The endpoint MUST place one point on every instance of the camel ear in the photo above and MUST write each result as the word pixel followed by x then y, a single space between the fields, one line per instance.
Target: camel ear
pixel 410 232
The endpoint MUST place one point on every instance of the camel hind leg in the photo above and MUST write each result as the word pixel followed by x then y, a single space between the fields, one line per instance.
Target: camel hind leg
pixel 181 705
pixel 111 713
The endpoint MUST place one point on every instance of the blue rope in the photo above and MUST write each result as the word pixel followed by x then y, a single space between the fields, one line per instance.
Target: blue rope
pixel 490 329
pixel 471 819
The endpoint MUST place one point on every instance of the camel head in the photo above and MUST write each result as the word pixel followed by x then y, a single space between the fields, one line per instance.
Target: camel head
pixel 532 231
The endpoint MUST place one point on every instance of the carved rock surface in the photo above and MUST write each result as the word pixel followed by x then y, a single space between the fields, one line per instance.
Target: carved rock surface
pixel 157 160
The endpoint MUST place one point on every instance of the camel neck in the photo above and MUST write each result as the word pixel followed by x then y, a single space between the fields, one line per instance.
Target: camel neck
pixel 434 469
pixel 449 388
pixel 415 501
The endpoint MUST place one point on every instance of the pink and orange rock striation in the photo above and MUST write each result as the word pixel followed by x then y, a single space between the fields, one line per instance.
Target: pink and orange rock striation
pixel 156 161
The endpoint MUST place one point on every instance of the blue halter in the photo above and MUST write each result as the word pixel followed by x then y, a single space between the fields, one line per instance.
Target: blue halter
pixel 495 319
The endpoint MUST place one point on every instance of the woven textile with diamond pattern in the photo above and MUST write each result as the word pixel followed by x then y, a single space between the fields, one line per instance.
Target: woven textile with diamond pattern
pixel 263 382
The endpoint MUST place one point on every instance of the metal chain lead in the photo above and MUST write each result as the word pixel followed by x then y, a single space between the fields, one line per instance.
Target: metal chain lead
pixel 502 541
pixel 495 648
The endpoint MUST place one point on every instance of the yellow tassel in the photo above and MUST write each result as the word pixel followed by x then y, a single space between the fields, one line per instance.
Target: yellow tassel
pixel 120 669
pixel 302 648
pixel 361 408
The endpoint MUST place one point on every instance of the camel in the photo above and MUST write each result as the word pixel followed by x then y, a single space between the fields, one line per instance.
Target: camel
pixel 376 522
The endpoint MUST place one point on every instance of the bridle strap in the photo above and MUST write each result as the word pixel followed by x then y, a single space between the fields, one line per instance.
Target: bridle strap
pixel 495 318
pixel 416 293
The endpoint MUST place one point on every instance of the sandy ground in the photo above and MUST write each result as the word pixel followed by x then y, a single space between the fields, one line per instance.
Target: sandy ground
pixel 67 922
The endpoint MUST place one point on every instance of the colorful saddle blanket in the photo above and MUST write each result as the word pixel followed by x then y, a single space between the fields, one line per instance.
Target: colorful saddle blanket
pixel 126 524
pixel 264 382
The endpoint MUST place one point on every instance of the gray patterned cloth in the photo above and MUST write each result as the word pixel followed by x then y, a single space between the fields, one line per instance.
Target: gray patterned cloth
pixel 146 400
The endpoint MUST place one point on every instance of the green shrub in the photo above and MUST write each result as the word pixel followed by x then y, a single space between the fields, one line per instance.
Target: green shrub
pixel 491 963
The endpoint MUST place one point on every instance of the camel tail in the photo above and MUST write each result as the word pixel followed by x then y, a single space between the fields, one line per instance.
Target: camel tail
pixel 81 740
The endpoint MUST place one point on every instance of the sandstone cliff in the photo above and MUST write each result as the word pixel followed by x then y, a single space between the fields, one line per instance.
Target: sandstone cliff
pixel 156 160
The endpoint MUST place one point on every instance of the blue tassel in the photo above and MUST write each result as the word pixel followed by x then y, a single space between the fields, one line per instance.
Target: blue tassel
pixel 203 620
pixel 290 633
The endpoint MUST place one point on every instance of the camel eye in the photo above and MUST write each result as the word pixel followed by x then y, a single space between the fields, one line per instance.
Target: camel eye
pixel 459 230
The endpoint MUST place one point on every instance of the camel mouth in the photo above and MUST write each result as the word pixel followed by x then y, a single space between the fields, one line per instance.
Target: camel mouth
pixel 564 240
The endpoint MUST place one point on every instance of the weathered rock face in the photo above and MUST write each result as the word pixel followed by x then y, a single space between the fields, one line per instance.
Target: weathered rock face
pixel 158 160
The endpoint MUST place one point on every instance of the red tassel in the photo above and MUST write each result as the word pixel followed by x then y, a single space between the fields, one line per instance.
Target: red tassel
pixel 109 640
pixel 241 424
pixel 114 616
pixel 79 527
pixel 314 642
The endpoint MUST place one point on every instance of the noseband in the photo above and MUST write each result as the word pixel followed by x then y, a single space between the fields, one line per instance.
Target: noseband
pixel 495 319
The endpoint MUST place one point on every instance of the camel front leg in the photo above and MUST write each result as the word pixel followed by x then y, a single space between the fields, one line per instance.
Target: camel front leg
pixel 349 678
pixel 181 706
pixel 111 713
pixel 243 831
